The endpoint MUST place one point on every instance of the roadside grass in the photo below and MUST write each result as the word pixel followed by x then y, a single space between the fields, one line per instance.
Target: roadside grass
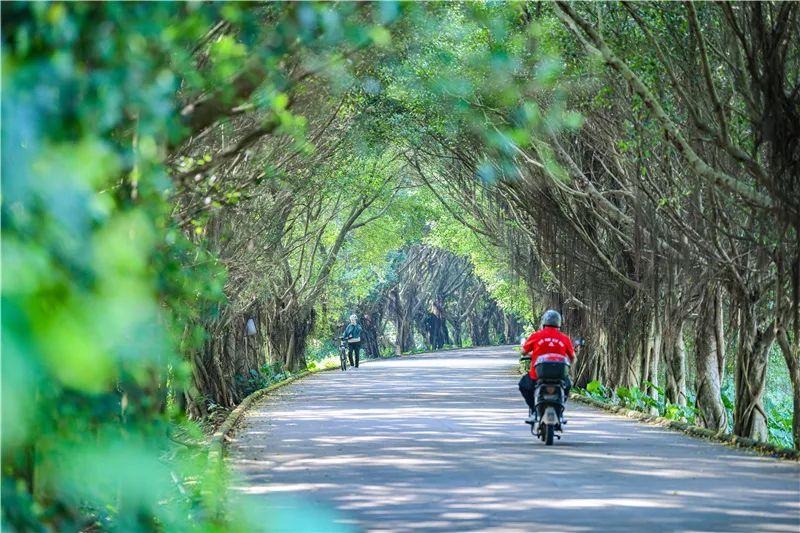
pixel 779 416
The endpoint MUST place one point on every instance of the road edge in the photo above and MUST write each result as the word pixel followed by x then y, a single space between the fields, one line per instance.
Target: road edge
pixel 765 448
pixel 216 445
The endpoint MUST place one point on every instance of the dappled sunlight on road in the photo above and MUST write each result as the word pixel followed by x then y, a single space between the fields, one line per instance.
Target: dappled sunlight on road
pixel 437 443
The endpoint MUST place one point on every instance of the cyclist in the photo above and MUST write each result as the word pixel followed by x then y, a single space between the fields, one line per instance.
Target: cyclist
pixel 352 334
pixel 548 340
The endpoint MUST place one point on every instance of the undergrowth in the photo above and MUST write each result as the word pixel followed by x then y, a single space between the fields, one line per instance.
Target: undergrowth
pixel 779 414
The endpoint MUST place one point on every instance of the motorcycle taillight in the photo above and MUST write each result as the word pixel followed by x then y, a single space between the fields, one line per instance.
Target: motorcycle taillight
pixel 550 390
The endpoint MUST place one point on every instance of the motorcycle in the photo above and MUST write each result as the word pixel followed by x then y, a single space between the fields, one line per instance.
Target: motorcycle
pixel 550 396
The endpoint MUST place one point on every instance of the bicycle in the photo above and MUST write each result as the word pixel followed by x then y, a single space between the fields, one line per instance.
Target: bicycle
pixel 343 354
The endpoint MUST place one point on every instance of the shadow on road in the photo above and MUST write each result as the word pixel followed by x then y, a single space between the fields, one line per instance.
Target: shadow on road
pixel 437 443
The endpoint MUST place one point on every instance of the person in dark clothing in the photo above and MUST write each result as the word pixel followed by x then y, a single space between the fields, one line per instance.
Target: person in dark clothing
pixel 352 334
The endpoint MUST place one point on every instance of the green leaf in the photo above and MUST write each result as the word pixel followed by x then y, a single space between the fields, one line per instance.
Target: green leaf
pixel 594 387
pixel 380 36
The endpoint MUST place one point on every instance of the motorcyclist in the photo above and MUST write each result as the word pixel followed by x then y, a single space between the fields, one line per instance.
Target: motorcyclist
pixel 548 340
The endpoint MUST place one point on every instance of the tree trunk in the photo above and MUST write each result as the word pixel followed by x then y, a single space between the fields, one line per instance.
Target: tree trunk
pixel 436 327
pixel 457 333
pixel 403 303
pixel 222 371
pixel 632 376
pixel 479 331
pixel 719 333
pixel 654 357
pixel 790 355
pixel 591 359
pixel 511 328
pixel 712 414
pixel 749 417
pixel 479 322
pixel 674 349
pixel 615 369
pixel 287 332
pixel 405 334
pixel 370 335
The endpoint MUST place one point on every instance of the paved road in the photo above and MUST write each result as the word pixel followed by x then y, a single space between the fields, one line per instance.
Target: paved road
pixel 437 443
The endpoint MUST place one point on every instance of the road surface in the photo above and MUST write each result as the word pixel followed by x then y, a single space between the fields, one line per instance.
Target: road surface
pixel 437 442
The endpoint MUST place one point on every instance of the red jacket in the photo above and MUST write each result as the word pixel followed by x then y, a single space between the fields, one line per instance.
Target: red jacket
pixel 548 340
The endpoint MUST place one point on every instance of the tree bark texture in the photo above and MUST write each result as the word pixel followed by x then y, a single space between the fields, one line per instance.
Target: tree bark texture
pixel 674 348
pixel 220 371
pixel 712 414
pixel 750 419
